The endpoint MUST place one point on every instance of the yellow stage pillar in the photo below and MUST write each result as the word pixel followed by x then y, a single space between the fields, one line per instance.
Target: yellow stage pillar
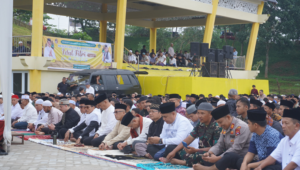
pixel 153 33
pixel 120 32
pixel 209 26
pixel 103 26
pixel 36 39
pixel 253 40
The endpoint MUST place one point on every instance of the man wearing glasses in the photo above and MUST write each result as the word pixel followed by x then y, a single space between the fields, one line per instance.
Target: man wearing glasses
pixel 120 133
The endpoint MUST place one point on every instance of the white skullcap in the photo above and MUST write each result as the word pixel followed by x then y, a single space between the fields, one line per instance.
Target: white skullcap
pixel 25 97
pixel 221 102
pixel 263 102
pixel 275 97
pixel 39 101
pixel 1 96
pixel 72 102
pixel 270 101
pixel 47 103
pixel 20 42
pixel 217 96
pixel 59 93
pixel 130 51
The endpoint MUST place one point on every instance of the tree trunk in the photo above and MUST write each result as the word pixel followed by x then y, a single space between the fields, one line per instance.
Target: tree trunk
pixel 267 60
pixel 225 35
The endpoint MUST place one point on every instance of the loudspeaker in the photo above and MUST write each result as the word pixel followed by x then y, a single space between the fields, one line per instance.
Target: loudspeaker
pixel 228 52
pixel 203 49
pixel 219 55
pixel 195 49
pixel 221 69
pixel 211 57
pixel 211 69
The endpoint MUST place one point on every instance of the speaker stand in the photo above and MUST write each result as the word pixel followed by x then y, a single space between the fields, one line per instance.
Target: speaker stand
pixel 228 73
pixel 203 66
pixel 194 71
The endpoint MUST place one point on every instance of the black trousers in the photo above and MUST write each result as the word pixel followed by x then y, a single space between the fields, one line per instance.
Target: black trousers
pixel 47 131
pixel 234 161
pixel 94 142
pixel 61 133
pixel 115 145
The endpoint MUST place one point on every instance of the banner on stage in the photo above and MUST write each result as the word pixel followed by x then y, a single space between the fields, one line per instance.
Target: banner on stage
pixel 69 53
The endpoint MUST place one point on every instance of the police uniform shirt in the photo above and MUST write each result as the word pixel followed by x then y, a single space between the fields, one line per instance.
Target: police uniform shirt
pixel 288 150
pixel 235 139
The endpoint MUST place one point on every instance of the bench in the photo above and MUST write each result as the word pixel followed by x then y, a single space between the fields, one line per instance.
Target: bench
pixel 17 134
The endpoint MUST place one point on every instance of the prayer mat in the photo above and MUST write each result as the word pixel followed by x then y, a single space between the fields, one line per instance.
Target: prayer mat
pixel 160 165
pixel 124 157
pixel 37 137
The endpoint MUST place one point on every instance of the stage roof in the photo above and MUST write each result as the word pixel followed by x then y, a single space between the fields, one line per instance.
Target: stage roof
pixel 157 13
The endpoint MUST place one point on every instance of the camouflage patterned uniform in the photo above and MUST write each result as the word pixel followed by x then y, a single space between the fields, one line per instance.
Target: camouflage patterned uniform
pixel 241 118
pixel 208 136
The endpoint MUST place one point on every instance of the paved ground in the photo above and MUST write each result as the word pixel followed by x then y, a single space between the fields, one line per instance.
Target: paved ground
pixel 33 156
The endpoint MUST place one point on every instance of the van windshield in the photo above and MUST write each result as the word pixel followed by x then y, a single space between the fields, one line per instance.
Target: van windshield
pixel 78 79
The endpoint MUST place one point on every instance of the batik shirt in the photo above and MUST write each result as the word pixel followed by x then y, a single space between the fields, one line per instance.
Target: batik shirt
pixel 263 145
pixel 276 117
pixel 243 119
pixel 181 110
pixel 208 135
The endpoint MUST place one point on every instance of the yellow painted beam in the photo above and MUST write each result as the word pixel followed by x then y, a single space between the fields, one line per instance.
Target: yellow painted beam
pixel 253 40
pixel 37 27
pixel 36 39
pixel 35 80
pixel 103 26
pixel 120 32
pixel 209 26
pixel 153 39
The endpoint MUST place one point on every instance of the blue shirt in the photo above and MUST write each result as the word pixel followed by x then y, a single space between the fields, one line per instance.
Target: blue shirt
pixel 266 143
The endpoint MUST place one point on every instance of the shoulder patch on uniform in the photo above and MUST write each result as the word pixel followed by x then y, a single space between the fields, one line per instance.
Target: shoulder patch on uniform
pixel 238 131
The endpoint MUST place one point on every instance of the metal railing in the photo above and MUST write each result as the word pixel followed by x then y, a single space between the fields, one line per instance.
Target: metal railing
pixel 238 63
pixel 21 45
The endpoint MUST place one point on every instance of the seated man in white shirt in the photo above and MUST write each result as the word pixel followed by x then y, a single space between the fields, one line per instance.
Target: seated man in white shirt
pixel 108 121
pixel 29 115
pixel 89 89
pixel 73 106
pixel 131 58
pixel 16 110
pixel 176 128
pixel 88 127
pixel 139 128
pixel 288 150
pixel 42 116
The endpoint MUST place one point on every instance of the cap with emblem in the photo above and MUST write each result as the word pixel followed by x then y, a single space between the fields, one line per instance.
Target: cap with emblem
pixel 192 109
pixel 256 102
pixel 177 96
pixel 205 106
pixel 287 103
pixel 47 103
pixel 101 98
pixel 64 102
pixel 39 101
pixel 120 106
pixel 292 113
pixel 26 97
pixel 233 92
pixel 127 119
pixel 220 112
pixel 154 106
pixel 257 115
pixel 167 107
pixel 270 105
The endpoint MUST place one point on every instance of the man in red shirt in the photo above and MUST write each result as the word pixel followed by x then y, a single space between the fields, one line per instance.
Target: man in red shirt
pixel 254 90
